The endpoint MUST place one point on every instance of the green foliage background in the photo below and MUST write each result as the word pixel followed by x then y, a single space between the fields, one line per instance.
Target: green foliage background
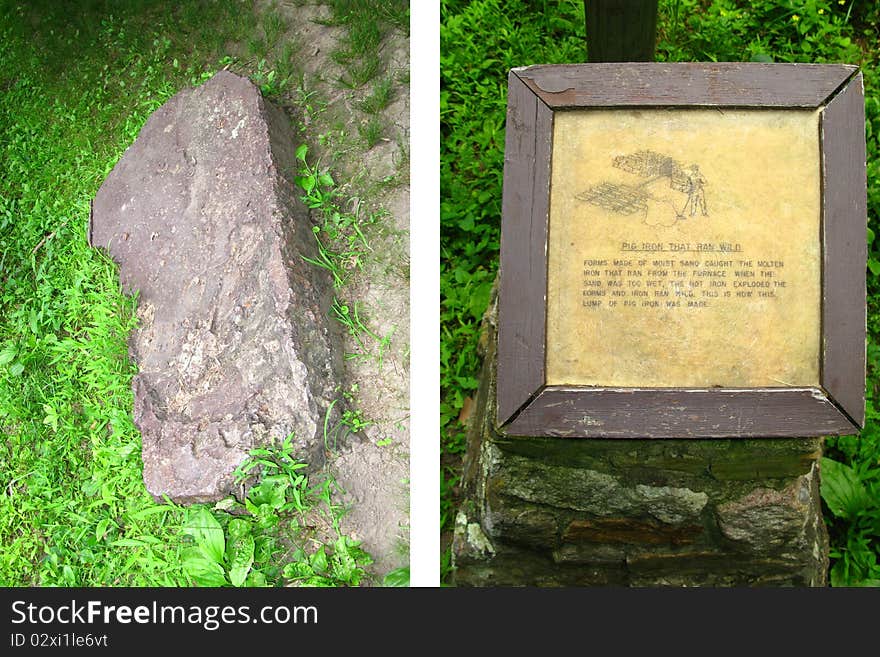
pixel 73 511
pixel 481 40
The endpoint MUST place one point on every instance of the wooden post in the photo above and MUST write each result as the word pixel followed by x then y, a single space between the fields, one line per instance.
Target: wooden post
pixel 620 30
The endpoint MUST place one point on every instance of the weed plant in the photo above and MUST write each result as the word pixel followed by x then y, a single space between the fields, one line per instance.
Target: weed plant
pixel 481 40
pixel 274 25
pixel 362 56
pixel 342 249
pixel 285 532
pixel 366 23
pixel 379 98
pixel 371 132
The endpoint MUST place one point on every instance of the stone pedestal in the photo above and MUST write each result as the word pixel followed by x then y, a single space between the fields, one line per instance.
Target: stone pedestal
pixel 585 512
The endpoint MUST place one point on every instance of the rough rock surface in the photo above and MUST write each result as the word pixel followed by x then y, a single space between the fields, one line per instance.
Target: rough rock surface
pixel 564 512
pixel 233 347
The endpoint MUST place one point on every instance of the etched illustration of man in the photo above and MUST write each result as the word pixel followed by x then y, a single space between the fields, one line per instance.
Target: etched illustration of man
pixel 696 193
pixel 635 198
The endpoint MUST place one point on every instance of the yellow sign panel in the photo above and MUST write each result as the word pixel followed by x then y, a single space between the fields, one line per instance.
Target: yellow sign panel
pixel 684 248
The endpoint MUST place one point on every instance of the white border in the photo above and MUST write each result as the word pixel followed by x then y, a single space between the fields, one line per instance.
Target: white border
pixel 425 293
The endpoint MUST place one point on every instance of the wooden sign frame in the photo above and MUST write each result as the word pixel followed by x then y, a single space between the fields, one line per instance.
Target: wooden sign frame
pixel 527 406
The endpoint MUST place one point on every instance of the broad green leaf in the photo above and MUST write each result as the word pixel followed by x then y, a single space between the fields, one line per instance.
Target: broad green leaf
pixel 208 534
pixel 480 299
pixel 225 504
pixel 266 517
pixel 203 571
pixel 318 581
pixel 842 490
pixel 397 577
pixel 51 417
pixel 297 570
pixel 91 487
pixel 270 491
pixel 344 564
pixel 318 561
pixel 7 354
pixel 241 559
pixel 855 564
pixel 102 527
pixel 306 182
pixel 255 578
pixel 238 527
pixel 301 151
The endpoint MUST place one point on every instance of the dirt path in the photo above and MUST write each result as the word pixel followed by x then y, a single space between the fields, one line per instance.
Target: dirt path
pixel 372 467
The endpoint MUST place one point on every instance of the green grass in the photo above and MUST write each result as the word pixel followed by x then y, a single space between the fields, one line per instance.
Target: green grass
pixel 274 26
pixel 76 88
pixel 286 65
pixel 343 247
pixel 379 98
pixel 371 131
pixel 361 54
pixel 367 22
pixel 394 13
pixel 257 47
pixel 481 40
pixel 76 92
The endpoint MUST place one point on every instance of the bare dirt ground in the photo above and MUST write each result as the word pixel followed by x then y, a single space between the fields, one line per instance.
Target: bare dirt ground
pixel 371 467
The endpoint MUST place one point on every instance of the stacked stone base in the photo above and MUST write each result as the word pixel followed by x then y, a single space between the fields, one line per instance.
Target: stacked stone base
pixel 574 512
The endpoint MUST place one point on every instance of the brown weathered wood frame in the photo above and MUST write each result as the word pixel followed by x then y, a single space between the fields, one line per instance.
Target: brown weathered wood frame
pixel 528 407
